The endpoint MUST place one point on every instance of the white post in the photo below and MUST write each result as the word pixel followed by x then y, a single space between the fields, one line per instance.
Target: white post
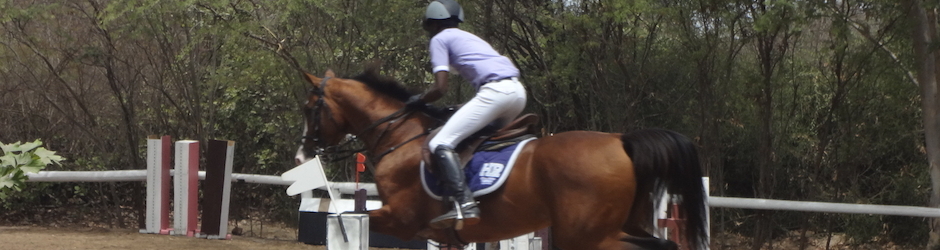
pixel 186 181
pixel 227 189
pixel 353 234
pixel 661 232
pixel 433 245
pixel 535 243
pixel 491 246
pixel 664 202
pixel 708 217
pixel 158 185
pixel 521 242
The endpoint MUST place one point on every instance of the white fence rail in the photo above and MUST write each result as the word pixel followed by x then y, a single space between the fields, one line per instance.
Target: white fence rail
pixel 348 188
pixel 825 207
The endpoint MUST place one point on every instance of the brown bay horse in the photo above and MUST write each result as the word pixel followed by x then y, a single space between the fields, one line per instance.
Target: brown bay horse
pixel 592 188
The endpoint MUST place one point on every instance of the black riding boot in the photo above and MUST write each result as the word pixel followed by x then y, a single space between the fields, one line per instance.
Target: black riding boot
pixel 465 210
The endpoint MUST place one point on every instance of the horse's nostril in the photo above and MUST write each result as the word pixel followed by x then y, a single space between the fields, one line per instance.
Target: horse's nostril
pixel 300 157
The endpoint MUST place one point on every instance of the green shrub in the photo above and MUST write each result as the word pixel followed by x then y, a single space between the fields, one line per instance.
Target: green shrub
pixel 20 159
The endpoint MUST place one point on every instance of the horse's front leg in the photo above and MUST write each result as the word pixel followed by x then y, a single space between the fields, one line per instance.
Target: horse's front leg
pixel 406 209
pixel 400 222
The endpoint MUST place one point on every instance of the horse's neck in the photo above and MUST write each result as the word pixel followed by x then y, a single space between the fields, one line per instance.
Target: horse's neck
pixel 391 133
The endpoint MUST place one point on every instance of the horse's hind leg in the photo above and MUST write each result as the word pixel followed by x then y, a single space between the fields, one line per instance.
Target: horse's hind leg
pixel 640 222
pixel 629 242
pixel 565 238
pixel 639 226
pixel 636 233
pixel 648 243
pixel 621 241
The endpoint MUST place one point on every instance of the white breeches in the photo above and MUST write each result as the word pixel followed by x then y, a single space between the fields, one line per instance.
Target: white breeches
pixel 497 102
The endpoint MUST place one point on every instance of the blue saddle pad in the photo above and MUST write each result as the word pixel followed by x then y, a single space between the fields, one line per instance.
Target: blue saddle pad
pixel 486 172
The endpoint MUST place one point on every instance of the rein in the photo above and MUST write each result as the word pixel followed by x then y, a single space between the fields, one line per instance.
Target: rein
pixel 390 119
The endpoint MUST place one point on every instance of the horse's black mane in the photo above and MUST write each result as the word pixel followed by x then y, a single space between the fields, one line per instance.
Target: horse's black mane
pixel 383 84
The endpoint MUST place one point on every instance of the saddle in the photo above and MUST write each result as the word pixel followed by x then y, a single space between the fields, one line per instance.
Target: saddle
pixel 490 137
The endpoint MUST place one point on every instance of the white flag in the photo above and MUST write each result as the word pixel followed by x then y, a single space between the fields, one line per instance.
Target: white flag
pixel 306 177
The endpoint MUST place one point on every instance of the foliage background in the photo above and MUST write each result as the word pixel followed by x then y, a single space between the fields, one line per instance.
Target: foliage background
pixel 802 100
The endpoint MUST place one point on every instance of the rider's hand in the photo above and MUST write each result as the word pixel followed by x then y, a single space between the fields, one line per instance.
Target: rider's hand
pixel 415 102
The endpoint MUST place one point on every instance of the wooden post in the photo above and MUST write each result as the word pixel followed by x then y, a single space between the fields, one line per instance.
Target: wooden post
pixel 217 188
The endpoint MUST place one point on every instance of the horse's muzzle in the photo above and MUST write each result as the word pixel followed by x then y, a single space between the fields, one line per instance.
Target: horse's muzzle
pixel 301 157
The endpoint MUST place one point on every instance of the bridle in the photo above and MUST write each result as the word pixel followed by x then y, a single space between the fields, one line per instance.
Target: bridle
pixel 322 149
pixel 314 113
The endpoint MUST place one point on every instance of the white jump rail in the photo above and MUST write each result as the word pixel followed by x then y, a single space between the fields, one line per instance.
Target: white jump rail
pixel 141 175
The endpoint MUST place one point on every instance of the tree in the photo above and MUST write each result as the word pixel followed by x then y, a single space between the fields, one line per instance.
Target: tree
pixel 926 55
pixel 775 27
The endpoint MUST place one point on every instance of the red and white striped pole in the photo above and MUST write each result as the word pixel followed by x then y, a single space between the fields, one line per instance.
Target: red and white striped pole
pixel 186 188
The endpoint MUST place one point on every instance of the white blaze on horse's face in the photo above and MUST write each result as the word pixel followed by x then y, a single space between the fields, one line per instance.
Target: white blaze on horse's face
pixel 300 157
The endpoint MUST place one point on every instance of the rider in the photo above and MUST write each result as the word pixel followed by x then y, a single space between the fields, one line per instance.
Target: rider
pixel 500 98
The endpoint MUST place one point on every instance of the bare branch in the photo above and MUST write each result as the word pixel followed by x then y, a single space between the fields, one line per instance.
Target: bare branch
pixel 278 47
pixel 865 32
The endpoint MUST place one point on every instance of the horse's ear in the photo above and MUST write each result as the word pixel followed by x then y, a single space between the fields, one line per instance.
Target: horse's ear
pixel 374 65
pixel 315 81
pixel 329 73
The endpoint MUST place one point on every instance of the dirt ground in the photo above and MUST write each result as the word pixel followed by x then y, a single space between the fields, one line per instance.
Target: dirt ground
pixel 31 238
pixel 13 238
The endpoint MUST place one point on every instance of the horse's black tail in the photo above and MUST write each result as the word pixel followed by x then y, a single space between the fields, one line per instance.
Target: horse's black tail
pixel 665 160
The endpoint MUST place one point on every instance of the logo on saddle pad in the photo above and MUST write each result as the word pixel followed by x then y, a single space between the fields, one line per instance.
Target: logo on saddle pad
pixel 486 172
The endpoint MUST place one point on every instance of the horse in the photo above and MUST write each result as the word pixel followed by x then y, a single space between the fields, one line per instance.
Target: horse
pixel 593 189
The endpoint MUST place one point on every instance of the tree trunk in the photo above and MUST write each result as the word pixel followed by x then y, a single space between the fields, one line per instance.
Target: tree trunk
pixel 769 54
pixel 925 31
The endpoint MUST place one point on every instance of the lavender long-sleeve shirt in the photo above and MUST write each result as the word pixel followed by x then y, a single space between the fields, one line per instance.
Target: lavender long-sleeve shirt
pixel 472 57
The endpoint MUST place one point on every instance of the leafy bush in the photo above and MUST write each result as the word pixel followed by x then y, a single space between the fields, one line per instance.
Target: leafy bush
pixel 20 159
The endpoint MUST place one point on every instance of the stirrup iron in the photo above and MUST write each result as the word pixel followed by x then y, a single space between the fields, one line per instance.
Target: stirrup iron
pixel 458 221
pixel 458 217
